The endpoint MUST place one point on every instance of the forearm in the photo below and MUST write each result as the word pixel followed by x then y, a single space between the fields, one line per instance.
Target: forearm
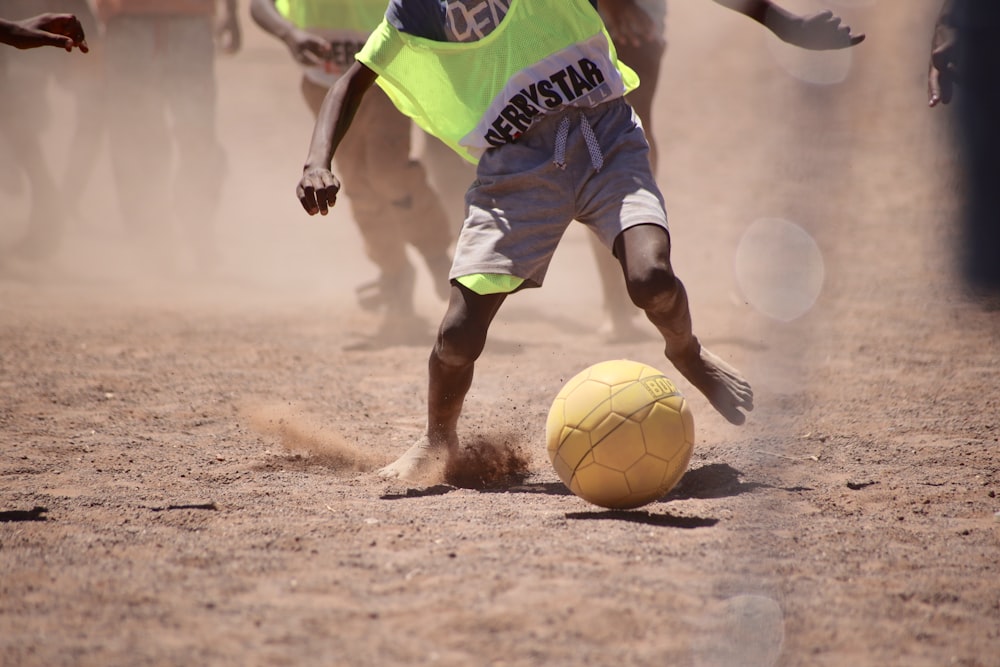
pixel 945 15
pixel 266 15
pixel 774 18
pixel 16 34
pixel 9 32
pixel 336 114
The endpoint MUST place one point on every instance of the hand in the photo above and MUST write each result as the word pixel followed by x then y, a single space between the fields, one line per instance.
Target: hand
pixel 228 37
pixel 819 32
pixel 627 23
pixel 317 190
pixel 62 30
pixel 944 71
pixel 307 48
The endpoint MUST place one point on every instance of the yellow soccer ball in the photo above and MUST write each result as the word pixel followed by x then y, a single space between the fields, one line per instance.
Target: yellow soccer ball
pixel 620 434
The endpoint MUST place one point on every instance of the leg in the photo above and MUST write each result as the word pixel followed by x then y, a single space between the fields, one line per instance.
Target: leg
pixel 621 312
pixel 46 222
pixel 645 59
pixel 417 213
pixel 460 341
pixel 201 160
pixel 644 252
pixel 384 242
pixel 25 117
pixel 139 137
pixel 449 176
pixel 84 79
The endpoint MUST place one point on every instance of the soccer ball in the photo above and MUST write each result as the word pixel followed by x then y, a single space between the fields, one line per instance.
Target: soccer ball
pixel 620 434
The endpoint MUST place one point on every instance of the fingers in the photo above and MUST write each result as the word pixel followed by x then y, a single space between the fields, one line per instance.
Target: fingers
pixel 824 31
pixel 317 191
pixel 933 88
pixel 67 26
pixel 840 33
pixel 313 52
pixel 627 23
pixel 943 75
pixel 308 49
pixel 940 87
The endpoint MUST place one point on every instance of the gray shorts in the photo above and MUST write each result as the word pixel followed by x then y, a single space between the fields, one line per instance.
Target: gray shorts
pixel 522 202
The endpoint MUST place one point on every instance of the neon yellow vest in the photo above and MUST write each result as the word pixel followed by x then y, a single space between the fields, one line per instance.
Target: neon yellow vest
pixel 346 24
pixel 545 55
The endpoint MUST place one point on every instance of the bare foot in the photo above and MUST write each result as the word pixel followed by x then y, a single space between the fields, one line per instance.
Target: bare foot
pixel 424 463
pixel 725 388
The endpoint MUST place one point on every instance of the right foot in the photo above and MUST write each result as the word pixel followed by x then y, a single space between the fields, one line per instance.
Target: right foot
pixel 724 387
pixel 424 463
pixel 388 290
pixel 408 329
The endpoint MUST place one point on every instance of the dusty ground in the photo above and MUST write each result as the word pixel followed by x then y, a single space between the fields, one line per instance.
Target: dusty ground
pixel 202 448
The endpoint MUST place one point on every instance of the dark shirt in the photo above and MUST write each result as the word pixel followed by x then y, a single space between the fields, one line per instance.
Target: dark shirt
pixel 448 20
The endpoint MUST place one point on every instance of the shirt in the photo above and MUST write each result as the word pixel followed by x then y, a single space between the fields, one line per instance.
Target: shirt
pixel 448 20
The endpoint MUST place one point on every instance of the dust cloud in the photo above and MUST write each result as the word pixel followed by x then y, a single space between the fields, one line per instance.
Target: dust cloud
pixel 300 434
pixel 488 461
pixel 188 215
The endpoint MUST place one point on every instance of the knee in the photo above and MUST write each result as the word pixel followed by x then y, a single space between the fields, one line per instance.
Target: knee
pixel 459 343
pixel 652 288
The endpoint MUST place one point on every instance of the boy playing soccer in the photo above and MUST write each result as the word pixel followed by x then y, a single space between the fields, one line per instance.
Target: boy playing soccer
pixel 533 91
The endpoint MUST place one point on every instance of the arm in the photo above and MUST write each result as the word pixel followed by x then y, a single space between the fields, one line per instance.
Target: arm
pixel 627 23
pixel 227 32
pixel 62 30
pixel 306 48
pixel 318 188
pixel 943 72
pixel 819 32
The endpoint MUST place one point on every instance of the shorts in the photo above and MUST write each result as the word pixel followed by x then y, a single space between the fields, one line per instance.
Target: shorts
pixel 522 202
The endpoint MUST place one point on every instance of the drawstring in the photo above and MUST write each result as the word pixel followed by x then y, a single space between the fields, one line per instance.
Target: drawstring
pixel 593 146
pixel 562 132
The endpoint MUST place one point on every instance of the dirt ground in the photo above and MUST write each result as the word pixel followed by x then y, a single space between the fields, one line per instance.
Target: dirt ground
pixel 203 448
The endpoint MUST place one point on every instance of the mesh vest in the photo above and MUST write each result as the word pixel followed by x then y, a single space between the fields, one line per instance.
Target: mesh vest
pixel 544 56
pixel 346 24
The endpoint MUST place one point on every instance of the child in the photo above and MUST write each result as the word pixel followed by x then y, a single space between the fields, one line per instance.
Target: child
pixel 534 92
pixel 159 60
pixel 965 50
pixel 393 204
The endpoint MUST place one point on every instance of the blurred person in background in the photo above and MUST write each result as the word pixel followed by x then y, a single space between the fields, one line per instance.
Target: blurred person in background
pixel 637 29
pixel 965 52
pixel 26 83
pixel 392 203
pixel 168 164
